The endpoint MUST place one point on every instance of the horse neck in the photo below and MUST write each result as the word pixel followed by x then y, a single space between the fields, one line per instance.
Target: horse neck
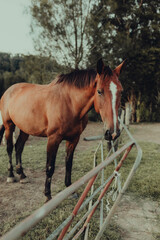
pixel 82 100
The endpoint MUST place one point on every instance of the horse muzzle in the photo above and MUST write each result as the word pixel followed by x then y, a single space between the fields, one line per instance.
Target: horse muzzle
pixel 109 136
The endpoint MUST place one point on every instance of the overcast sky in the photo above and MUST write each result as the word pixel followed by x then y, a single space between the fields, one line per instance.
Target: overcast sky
pixel 15 27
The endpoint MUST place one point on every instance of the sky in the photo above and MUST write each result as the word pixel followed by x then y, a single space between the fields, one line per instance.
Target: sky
pixel 15 27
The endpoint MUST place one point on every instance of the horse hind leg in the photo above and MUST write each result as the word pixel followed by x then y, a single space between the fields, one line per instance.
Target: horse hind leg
pixel 2 130
pixel 52 147
pixel 9 138
pixel 70 147
pixel 22 138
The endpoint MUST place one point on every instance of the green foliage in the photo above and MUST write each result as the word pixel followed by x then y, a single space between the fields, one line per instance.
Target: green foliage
pixel 33 69
pixel 10 71
pixel 61 30
pixel 143 113
pixel 39 69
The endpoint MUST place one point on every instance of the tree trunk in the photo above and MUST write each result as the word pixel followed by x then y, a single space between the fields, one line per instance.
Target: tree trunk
pixel 138 108
pixel 127 115
pixel 133 107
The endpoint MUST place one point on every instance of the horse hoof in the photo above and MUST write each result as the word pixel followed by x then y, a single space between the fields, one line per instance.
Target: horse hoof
pixel 11 180
pixel 48 198
pixel 73 196
pixel 24 180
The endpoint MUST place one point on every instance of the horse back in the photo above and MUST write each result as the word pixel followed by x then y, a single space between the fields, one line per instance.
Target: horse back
pixel 24 105
pixel 41 110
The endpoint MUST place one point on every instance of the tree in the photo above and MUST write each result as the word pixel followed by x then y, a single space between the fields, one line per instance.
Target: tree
pixel 5 62
pixel 59 29
pixel 10 72
pixel 40 69
pixel 130 29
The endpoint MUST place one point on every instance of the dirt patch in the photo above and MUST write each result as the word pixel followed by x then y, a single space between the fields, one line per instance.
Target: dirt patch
pixel 146 132
pixel 137 217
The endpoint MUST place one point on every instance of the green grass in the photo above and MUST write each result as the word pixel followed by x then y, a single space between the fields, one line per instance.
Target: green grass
pixel 145 183
pixel 147 178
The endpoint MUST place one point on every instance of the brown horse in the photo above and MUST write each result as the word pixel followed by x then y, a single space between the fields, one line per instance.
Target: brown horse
pixel 58 111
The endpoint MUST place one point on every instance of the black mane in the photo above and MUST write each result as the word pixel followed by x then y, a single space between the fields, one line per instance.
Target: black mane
pixel 107 71
pixel 78 78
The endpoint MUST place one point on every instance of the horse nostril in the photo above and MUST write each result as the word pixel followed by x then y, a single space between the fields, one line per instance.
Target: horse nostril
pixel 108 135
pixel 118 133
pixel 111 136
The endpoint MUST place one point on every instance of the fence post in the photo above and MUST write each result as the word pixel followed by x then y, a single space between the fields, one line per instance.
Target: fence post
pixel 127 115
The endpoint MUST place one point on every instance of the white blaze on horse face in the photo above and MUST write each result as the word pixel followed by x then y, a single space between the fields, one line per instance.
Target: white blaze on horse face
pixel 113 89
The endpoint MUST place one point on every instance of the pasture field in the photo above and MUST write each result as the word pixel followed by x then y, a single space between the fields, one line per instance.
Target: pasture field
pixel 18 201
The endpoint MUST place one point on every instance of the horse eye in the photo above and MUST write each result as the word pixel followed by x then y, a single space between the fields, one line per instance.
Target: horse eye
pixel 100 92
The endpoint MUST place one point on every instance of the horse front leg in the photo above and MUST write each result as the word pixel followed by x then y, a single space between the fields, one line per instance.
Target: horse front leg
pixel 70 147
pixel 52 147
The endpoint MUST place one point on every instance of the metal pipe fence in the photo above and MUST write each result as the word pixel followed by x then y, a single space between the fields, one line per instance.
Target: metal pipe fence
pixel 61 232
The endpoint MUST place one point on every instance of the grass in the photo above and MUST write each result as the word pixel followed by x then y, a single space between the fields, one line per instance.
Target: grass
pixel 145 183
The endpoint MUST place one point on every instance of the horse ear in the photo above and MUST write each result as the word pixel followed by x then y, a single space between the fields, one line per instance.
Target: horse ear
pixel 119 69
pixel 100 66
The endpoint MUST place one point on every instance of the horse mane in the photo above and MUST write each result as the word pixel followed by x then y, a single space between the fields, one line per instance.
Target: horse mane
pixel 107 71
pixel 78 78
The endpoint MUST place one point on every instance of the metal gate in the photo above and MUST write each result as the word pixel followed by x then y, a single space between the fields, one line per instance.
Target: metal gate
pixel 83 224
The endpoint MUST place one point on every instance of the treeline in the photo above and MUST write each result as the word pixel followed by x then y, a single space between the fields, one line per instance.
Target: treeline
pixel 20 68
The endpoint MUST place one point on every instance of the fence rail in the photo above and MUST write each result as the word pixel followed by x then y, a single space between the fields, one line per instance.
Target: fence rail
pixel 22 228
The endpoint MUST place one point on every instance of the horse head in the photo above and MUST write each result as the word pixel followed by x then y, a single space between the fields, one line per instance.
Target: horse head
pixel 108 98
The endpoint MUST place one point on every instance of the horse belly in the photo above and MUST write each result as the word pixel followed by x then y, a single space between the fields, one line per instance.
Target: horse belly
pixel 28 121
pixel 76 129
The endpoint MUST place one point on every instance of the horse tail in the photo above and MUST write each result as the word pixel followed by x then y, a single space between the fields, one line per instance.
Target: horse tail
pixel 2 129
